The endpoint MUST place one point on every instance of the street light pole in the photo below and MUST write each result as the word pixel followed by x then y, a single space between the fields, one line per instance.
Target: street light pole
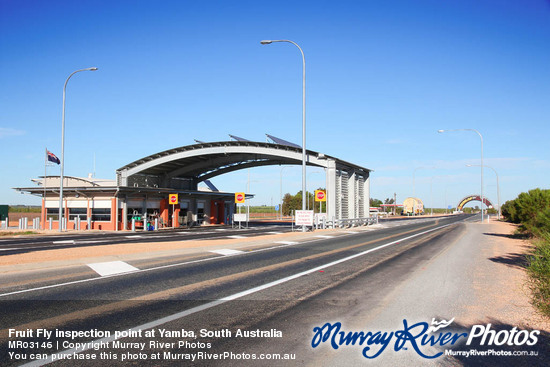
pixel 267 42
pixel 481 137
pixel 498 187
pixel 63 148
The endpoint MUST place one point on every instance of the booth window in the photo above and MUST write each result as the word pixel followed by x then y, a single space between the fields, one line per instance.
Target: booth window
pixel 101 215
pixel 52 213
pixel 77 213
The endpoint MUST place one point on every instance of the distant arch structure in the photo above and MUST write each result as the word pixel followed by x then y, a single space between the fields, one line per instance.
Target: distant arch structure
pixel 348 184
pixel 469 198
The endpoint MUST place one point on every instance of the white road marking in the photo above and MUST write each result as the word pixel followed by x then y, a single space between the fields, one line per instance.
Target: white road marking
pixel 227 252
pixel 283 243
pixel 64 241
pixel 236 236
pixel 286 242
pixel 134 236
pixel 7 249
pixel 323 236
pixel 112 267
pixel 206 306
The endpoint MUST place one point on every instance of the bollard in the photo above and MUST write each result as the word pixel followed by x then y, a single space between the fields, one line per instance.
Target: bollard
pixel 133 224
pixel 156 224
pixel 89 220
pixel 51 223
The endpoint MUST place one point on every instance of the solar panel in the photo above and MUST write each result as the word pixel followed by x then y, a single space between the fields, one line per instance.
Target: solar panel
pixel 279 141
pixel 237 138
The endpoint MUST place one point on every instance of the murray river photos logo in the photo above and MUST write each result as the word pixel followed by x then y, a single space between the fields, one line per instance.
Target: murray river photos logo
pixel 418 336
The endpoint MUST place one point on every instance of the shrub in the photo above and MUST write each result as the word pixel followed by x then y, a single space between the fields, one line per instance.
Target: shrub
pixel 539 272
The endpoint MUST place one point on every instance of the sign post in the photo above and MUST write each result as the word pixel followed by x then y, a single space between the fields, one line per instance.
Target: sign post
pixel 240 199
pixel 304 218
pixel 173 199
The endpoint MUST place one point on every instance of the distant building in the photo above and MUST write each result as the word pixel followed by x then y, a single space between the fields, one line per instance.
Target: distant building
pixel 413 206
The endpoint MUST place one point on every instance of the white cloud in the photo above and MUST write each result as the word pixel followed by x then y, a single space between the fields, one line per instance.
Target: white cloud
pixel 6 132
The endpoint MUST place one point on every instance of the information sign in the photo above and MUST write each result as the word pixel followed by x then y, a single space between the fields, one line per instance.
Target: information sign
pixel 304 218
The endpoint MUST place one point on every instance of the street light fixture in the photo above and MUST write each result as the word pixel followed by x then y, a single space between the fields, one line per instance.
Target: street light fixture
pixel 63 148
pixel 498 187
pixel 481 137
pixel 268 42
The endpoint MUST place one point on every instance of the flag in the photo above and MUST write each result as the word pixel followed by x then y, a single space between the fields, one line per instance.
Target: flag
pixel 52 157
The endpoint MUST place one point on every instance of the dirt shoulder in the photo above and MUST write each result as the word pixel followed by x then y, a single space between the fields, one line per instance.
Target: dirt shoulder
pixel 501 281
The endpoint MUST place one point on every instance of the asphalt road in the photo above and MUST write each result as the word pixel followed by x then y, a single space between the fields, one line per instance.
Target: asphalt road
pixel 287 287
pixel 34 243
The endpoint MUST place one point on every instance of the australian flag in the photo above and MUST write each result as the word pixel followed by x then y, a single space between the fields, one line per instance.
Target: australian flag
pixel 52 157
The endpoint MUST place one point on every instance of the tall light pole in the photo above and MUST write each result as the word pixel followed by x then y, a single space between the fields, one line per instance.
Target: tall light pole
pixel 498 187
pixel 267 42
pixel 63 148
pixel 481 137
pixel 414 186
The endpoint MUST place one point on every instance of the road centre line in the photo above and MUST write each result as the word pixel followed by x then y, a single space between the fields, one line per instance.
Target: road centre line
pixel 174 265
pixel 206 306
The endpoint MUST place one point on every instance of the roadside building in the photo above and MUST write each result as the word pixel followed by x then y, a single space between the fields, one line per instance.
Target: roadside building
pixel 413 206
pixel 93 203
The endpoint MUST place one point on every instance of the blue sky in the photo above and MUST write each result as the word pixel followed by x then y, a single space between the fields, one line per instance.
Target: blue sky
pixel 382 78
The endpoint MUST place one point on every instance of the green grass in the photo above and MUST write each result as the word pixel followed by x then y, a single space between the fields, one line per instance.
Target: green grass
pixel 16 233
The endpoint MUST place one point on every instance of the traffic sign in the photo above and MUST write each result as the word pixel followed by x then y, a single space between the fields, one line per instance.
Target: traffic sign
pixel 173 199
pixel 239 197
pixel 320 195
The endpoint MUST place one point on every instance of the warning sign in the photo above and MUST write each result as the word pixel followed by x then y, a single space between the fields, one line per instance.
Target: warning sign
pixel 173 199
pixel 239 197
pixel 320 195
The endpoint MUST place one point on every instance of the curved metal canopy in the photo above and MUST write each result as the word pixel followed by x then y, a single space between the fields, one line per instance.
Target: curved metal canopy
pixel 206 160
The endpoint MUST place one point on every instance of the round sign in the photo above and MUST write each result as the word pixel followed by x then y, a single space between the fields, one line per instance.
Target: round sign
pixel 240 197
pixel 320 195
pixel 173 199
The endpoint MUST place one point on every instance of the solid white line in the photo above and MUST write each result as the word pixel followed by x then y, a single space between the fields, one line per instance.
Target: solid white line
pixel 324 236
pixel 64 241
pixel 7 249
pixel 284 243
pixel 232 297
pixel 236 237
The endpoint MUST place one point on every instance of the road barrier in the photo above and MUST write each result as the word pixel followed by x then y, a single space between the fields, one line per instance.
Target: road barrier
pixel 353 222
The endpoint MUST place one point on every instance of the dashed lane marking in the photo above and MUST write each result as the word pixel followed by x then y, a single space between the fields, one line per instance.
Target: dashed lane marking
pixel 286 242
pixel 227 252
pixel 112 267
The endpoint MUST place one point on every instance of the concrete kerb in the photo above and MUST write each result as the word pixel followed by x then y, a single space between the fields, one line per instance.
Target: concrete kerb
pixel 78 256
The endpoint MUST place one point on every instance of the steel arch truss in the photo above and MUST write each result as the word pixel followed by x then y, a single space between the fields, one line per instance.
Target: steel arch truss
pixel 184 167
